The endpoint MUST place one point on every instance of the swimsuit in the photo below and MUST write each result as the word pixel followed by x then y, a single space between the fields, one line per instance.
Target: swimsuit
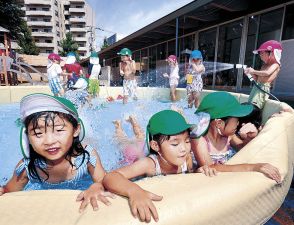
pixel 221 157
pixel 184 167
pixel 81 181
pixel 258 97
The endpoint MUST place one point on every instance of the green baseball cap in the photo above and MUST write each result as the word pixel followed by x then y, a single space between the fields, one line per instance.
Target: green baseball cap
pixel 167 122
pixel 125 51
pixel 40 102
pixel 223 104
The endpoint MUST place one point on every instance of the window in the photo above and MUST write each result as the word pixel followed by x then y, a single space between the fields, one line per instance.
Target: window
pixel 56 13
pixel 33 9
pixel 55 3
pixel 58 34
pixel 57 24
pixel 48 51
pixel 79 6
pixel 161 51
pixel 35 30
pixel 206 44
pixel 48 41
pixel 46 20
pixel 229 42
pixel 47 30
pixel 34 19
pixel 45 9
pixel 288 29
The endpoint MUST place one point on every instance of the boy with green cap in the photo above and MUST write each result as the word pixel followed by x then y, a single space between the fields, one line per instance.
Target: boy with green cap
pixel 217 146
pixel 127 69
pixel 168 136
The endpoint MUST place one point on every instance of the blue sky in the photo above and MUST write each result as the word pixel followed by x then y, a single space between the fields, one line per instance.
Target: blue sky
pixel 127 16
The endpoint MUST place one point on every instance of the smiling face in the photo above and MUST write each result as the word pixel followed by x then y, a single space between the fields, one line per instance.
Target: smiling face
pixel 53 137
pixel 175 149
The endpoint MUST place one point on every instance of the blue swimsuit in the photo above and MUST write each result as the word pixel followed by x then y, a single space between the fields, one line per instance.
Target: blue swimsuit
pixel 81 181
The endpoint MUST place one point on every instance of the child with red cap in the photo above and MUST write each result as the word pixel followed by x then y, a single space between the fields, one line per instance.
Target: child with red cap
pixel 270 54
pixel 53 72
pixel 173 75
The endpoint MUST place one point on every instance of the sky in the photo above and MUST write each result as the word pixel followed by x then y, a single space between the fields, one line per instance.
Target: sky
pixel 124 17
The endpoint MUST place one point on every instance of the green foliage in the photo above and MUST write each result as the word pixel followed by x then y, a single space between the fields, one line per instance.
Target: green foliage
pixel 69 45
pixel 11 19
pixel 26 41
pixel 105 44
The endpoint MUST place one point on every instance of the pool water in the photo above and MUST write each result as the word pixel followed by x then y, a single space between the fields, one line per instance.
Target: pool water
pixel 98 124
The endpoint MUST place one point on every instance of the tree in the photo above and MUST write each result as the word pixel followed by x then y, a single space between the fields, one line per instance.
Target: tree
pixel 26 41
pixel 11 19
pixel 69 45
pixel 105 44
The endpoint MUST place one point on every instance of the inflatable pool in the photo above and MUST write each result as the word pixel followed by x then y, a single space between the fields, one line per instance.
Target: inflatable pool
pixel 228 198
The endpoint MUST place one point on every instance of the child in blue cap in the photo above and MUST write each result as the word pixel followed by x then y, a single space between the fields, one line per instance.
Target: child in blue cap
pixel 54 157
pixel 194 78
pixel 168 135
pixel 218 145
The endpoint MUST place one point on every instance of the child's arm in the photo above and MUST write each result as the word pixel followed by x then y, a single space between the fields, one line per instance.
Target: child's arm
pixel 247 132
pixel 140 200
pixel 96 190
pixel 200 150
pixel 16 183
pixel 198 68
pixel 267 169
pixel 121 72
pixel 133 66
pixel 263 73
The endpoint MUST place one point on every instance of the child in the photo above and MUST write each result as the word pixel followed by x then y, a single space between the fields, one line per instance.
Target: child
pixel 132 149
pixel 169 141
pixel 127 69
pixel 194 79
pixel 270 54
pixel 78 93
pixel 173 76
pixel 53 72
pixel 94 71
pixel 216 147
pixel 72 69
pixel 54 157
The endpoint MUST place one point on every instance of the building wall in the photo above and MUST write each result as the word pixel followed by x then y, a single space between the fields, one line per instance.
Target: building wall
pixel 50 20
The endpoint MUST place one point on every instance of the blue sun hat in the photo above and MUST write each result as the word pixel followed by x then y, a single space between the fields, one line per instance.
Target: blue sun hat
pixel 40 102
pixel 196 54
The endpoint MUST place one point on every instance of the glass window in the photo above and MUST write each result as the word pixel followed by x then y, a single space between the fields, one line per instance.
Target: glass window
pixel 161 51
pixel 171 47
pixel 144 66
pixel 185 43
pixel 207 43
pixel 229 42
pixel 288 29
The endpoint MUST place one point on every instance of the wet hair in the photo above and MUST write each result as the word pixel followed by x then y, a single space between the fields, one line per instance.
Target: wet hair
pixel 160 138
pixel 255 117
pixel 75 150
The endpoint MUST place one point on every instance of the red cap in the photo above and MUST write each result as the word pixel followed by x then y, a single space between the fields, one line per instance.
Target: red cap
pixel 172 58
pixel 53 56
pixel 269 46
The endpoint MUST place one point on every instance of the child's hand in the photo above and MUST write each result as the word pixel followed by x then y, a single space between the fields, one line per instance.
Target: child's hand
pixel 248 130
pixel 142 206
pixel 165 75
pixel 269 170
pixel 207 170
pixel 94 192
pixel 2 191
pixel 249 70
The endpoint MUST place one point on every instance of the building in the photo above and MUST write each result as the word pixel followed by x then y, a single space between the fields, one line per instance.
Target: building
pixel 225 31
pixel 49 21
